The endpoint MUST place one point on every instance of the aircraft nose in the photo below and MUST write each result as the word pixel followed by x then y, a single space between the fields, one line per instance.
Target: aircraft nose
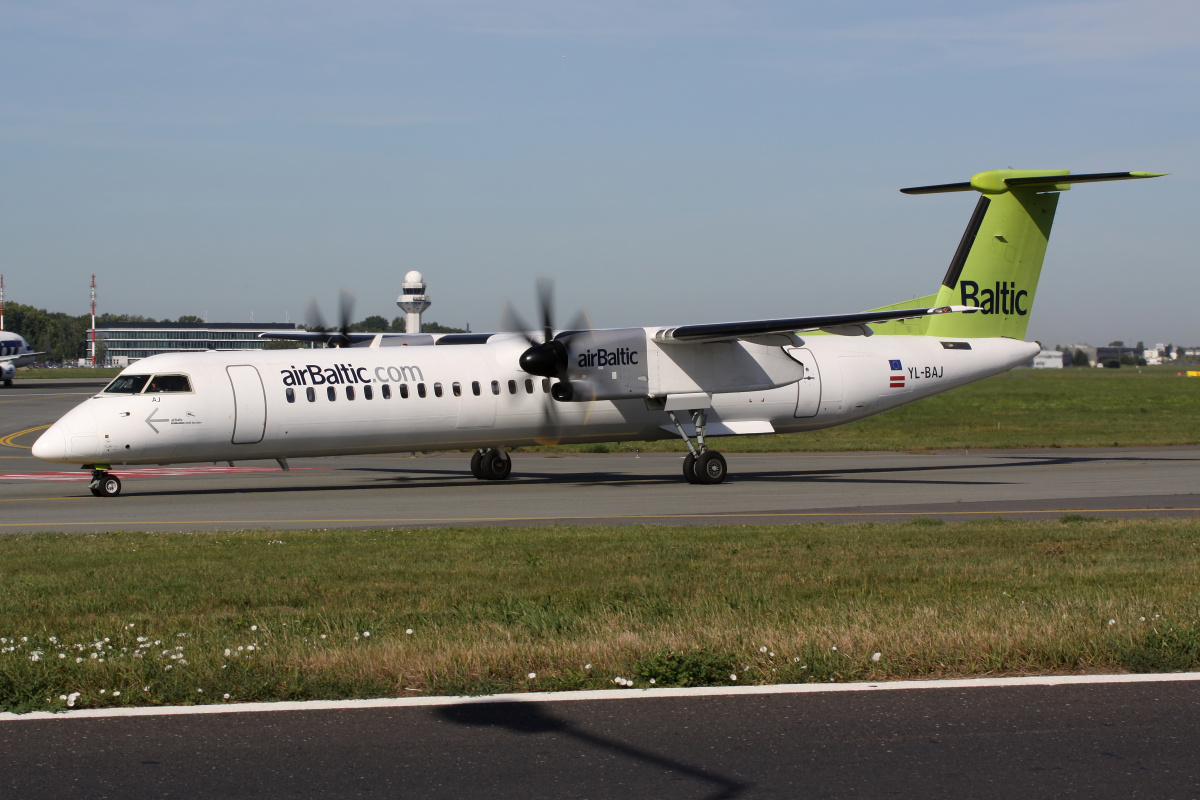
pixel 51 445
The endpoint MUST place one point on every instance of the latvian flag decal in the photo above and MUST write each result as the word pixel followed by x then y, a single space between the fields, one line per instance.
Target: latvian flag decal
pixel 897 374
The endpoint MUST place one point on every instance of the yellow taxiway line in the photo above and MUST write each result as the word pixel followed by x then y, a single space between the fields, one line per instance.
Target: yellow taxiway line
pixel 7 441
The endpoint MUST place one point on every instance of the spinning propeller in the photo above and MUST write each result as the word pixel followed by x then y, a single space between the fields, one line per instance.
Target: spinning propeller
pixel 333 337
pixel 547 354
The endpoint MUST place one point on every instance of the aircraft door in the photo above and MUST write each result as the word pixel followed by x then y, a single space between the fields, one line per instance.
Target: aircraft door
pixel 249 404
pixel 808 398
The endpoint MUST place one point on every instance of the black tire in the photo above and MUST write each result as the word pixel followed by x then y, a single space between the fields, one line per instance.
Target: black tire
pixel 95 490
pixel 689 468
pixel 477 465
pixel 496 466
pixel 109 486
pixel 711 467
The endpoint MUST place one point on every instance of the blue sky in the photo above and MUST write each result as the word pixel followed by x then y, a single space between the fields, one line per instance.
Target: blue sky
pixel 668 162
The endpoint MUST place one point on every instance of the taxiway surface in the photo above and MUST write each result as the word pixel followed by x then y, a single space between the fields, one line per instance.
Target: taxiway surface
pixel 1108 740
pixel 615 488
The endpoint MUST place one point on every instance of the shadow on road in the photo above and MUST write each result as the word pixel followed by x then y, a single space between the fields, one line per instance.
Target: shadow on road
pixel 531 719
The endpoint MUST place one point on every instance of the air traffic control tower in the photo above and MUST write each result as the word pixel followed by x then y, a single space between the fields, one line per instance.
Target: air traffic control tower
pixel 413 300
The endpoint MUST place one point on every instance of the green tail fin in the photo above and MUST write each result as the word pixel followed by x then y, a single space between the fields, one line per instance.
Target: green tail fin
pixel 999 260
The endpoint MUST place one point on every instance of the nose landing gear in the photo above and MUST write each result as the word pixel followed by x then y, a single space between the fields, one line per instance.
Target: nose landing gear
pixel 103 484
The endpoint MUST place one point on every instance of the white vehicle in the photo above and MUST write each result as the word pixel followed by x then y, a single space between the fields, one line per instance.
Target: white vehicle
pixel 14 352
pixel 390 393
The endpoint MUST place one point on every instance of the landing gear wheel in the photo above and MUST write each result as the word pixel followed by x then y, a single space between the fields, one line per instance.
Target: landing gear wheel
pixel 477 464
pixel 711 467
pixel 105 485
pixel 689 469
pixel 495 465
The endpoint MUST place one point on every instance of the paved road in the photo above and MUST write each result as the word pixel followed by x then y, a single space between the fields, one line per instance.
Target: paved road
pixel 590 488
pixel 1093 741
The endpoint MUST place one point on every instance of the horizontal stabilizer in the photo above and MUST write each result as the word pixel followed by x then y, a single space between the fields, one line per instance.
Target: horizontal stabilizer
pixel 1001 180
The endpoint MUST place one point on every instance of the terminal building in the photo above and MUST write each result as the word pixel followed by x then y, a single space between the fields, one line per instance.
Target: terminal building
pixel 126 342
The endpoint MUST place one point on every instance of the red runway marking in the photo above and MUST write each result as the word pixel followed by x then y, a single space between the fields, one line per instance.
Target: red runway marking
pixel 145 472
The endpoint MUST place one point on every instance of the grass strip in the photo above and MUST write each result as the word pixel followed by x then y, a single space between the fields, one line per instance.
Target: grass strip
pixel 146 619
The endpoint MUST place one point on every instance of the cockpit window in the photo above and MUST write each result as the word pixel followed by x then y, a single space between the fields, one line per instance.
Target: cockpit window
pixel 127 384
pixel 161 384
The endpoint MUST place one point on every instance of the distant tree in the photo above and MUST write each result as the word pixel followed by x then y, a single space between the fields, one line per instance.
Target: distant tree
pixel 283 344
pixel 1141 346
pixel 398 326
pixel 372 324
pixel 1116 344
pixel 433 327
pixel 190 318
pixel 1080 359
pixel 124 318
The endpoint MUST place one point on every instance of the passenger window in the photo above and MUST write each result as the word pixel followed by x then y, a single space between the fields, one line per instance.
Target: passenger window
pixel 457 389
pixel 349 392
pixel 437 390
pixel 312 394
pixel 546 385
pixel 127 384
pixel 404 391
pixel 512 387
pixel 162 384
pixel 291 394
pixel 367 393
pixel 495 387
pixel 331 393
pixel 387 392
pixel 420 390
pixel 528 386
pixel 475 388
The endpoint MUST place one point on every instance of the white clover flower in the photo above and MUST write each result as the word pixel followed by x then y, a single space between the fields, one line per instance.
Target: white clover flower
pixel 253 627
pixel 168 666
pixel 158 641
pixel 733 676
pixel 762 649
pixel 116 693
pixel 587 666
pixel 227 652
pixel 106 638
pixel 226 696
pixel 652 681
pixel 876 657
pixel 323 635
pixel 532 675
pixel 102 691
pixel 409 631
pixel 35 657
pixel 1141 619
pixel 249 647
pixel 1112 622
pixel 240 648
pixel 835 647
pixel 24 638
pixel 79 659
pixel 62 697
pixel 94 655
pixel 772 655
pixel 366 633
pixel 146 689
pixel 797 660
pixel 200 691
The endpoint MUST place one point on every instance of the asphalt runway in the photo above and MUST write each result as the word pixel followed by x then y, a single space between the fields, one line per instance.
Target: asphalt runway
pixel 1109 740
pixel 617 488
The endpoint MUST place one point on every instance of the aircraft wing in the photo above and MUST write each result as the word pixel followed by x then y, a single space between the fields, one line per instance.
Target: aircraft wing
pixel 15 356
pixel 841 324
pixel 319 336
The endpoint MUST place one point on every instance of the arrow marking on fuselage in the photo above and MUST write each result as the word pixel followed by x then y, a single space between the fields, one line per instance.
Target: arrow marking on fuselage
pixel 150 420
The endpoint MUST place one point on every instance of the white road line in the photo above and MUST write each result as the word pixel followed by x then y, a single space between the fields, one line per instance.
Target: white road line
pixel 604 694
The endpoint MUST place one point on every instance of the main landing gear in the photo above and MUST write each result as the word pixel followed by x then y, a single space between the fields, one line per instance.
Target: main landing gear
pixel 103 484
pixel 492 464
pixel 700 465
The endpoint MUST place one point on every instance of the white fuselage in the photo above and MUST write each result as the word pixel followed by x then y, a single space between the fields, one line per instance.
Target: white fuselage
pixel 238 406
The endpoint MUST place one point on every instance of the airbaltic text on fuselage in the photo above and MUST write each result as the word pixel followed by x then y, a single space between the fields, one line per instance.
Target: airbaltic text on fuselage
pixel 314 375
pixel 601 357
pixel 1003 299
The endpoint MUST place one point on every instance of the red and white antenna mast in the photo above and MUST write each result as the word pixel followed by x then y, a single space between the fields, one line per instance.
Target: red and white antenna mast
pixel 93 319
pixel 1 302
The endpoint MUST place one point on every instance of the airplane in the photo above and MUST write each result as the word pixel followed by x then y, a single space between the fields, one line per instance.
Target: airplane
pixel 14 352
pixel 490 392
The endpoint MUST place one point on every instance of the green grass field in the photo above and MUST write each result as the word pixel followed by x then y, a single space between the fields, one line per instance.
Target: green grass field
pixel 136 619
pixel 68 373
pixel 1021 408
